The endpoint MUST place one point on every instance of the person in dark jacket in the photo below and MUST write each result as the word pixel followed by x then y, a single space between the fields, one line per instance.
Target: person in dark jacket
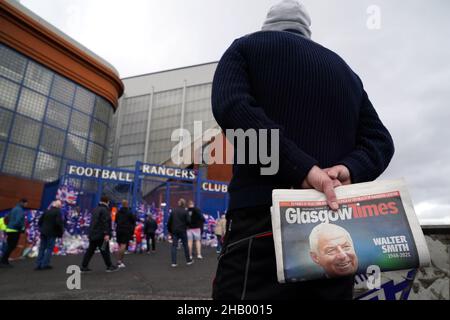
pixel 15 226
pixel 194 231
pixel 99 235
pixel 150 227
pixel 327 133
pixel 177 226
pixel 51 227
pixel 126 221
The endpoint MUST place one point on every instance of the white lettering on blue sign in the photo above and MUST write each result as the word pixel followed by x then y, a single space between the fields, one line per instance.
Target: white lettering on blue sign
pixel 168 172
pixel 99 173
pixel 214 187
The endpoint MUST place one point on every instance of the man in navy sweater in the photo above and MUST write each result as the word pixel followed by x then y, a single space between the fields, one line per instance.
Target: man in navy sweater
pixel 329 135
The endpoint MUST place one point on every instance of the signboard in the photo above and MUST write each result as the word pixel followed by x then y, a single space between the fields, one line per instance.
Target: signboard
pixel 168 172
pixel 86 171
pixel 214 187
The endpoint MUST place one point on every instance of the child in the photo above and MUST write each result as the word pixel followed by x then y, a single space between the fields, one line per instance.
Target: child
pixel 138 237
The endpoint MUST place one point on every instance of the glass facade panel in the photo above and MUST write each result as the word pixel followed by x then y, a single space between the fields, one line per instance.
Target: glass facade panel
pixel 52 140
pixel 12 64
pixel 63 90
pixel 79 124
pixel 5 123
pixel 38 78
pixel 198 107
pixel 131 149
pixel 132 138
pixel 2 151
pixel 26 131
pixel 32 104
pixel 133 130
pixel 84 100
pixel 166 117
pixel 94 153
pixel 75 148
pixel 57 115
pixel 138 104
pixel 129 161
pixel 103 110
pixel 98 132
pixel 47 167
pixel 47 120
pixel 9 93
pixel 19 160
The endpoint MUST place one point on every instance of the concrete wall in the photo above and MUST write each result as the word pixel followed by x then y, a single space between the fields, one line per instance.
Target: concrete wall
pixel 431 283
pixel 169 79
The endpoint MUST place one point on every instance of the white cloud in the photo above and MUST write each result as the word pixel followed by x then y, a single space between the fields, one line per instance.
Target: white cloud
pixel 432 213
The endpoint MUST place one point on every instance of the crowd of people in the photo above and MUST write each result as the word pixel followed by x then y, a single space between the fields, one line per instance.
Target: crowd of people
pixel 186 223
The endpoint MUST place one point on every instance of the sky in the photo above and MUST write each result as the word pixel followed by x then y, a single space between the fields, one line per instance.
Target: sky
pixel 400 49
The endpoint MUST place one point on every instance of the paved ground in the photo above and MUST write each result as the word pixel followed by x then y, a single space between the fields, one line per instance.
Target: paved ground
pixel 145 277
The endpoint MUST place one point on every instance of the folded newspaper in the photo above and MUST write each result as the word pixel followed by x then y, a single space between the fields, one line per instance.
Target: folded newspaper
pixel 375 225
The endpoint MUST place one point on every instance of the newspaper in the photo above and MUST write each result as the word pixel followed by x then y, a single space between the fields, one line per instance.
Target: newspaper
pixel 375 225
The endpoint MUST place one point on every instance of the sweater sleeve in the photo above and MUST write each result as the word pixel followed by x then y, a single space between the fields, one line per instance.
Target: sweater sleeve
pixel 374 146
pixel 234 107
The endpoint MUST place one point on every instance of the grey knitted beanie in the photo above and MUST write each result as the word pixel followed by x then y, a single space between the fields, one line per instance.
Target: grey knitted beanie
pixel 288 14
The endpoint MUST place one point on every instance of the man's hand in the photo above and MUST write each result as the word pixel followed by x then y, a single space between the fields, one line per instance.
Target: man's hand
pixel 318 179
pixel 340 173
pixel 106 238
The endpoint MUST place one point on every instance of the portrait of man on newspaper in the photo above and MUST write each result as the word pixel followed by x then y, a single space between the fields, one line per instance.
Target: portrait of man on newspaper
pixel 331 247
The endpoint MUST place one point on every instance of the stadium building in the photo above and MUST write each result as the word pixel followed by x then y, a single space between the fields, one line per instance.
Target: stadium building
pixel 61 103
pixel 57 100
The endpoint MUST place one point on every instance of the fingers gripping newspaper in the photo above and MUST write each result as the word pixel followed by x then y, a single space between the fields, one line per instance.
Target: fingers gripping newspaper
pixel 375 225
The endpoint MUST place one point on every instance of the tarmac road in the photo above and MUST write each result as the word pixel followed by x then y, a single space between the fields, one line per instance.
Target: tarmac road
pixel 146 276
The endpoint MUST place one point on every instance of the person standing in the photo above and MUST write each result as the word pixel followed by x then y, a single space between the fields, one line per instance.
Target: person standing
pixel 194 231
pixel 99 236
pixel 327 133
pixel 125 222
pixel 150 228
pixel 177 226
pixel 15 226
pixel 138 237
pixel 219 231
pixel 51 227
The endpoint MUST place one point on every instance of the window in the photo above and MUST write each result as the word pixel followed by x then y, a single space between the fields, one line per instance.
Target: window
pixel 10 92
pixel 12 64
pixel 137 104
pixel 98 132
pixel 2 151
pixel 75 148
pixel 47 120
pixel 132 138
pixel 26 131
pixel 52 140
pixel 84 100
pixel 94 154
pixel 63 90
pixel 57 114
pixel 132 149
pixel 79 124
pixel 32 104
pixel 102 110
pixel 198 92
pixel 38 78
pixel 47 167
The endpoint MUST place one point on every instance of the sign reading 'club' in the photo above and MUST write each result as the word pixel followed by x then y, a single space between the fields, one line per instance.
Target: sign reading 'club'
pixel 214 187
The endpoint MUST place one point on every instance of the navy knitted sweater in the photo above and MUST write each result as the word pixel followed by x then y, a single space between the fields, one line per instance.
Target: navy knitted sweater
pixel 282 80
